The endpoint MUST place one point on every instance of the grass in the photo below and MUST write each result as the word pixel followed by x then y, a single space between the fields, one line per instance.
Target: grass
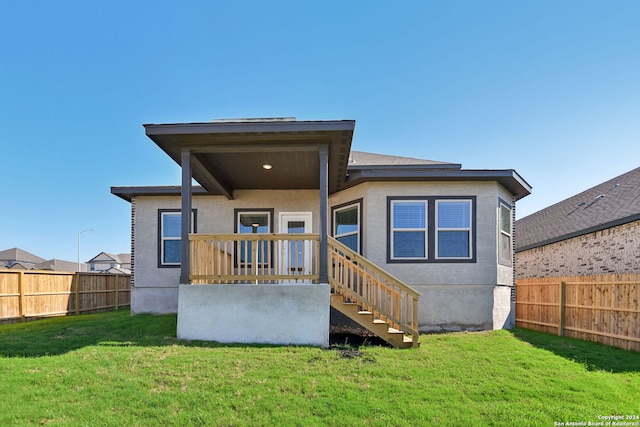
pixel 114 369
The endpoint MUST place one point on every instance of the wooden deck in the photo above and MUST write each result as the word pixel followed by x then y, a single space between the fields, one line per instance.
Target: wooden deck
pixel 360 289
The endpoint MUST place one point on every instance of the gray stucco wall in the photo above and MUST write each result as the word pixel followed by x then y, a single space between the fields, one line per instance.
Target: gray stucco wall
pixel 483 271
pixel 614 250
pixel 456 296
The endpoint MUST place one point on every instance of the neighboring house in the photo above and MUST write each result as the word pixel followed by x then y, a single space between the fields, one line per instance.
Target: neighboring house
pixel 58 265
pixel 18 259
pixel 110 263
pixel 117 270
pixel 19 266
pixel 299 223
pixel 594 232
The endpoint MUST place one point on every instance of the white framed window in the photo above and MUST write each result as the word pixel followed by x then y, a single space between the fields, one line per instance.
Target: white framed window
pixel 169 236
pixel 253 222
pixel 409 231
pixel 346 225
pixel 453 229
pixel 505 245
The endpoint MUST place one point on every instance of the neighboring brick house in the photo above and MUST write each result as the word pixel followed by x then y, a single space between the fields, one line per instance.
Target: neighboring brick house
pixel 594 232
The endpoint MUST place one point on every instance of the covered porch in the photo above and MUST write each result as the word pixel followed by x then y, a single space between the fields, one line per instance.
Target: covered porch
pixel 274 154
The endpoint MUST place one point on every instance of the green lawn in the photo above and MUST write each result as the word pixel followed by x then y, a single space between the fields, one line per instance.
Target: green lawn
pixel 113 369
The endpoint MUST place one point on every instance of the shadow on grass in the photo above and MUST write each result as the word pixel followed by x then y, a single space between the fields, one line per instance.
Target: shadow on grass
pixel 594 356
pixel 61 335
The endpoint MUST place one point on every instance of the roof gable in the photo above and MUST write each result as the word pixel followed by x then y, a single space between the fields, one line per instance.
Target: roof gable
pixel 104 257
pixel 610 203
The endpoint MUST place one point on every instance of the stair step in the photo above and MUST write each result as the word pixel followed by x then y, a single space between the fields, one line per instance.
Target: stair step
pixel 379 327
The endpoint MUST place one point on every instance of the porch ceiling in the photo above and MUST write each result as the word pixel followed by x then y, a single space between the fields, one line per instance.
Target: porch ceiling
pixel 229 155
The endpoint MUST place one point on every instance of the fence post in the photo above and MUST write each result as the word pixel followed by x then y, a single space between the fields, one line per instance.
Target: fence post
pixel 561 310
pixel 76 295
pixel 21 297
pixel 117 285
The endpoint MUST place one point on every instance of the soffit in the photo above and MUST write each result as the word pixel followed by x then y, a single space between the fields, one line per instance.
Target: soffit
pixel 230 156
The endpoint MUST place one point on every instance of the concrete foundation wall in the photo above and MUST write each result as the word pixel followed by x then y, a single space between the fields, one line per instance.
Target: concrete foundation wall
pixel 464 307
pixel 270 314
pixel 614 250
pixel 155 300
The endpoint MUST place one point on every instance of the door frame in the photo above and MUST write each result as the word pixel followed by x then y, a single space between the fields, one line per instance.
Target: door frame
pixel 307 218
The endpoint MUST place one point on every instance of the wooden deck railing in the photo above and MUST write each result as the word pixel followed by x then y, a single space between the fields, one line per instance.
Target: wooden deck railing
pixel 254 258
pixel 377 291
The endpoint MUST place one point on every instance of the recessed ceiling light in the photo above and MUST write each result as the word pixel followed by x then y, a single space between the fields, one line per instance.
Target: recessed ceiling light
pixel 267 166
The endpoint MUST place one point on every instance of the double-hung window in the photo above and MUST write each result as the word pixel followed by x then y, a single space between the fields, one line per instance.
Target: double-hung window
pixel 409 229
pixel 431 229
pixel 169 236
pixel 346 225
pixel 453 229
pixel 504 239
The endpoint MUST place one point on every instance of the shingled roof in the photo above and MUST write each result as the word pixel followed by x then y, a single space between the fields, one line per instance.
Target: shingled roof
pixel 359 159
pixel 606 205
pixel 19 255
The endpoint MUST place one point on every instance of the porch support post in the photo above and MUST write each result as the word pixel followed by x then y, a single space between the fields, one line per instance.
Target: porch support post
pixel 185 216
pixel 324 216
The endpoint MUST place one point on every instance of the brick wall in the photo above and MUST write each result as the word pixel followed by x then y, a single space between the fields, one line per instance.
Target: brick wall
pixel 614 250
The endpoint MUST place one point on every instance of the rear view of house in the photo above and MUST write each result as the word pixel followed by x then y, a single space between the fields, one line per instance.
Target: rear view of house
pixel 289 221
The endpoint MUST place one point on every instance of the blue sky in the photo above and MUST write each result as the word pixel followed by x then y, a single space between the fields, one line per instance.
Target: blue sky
pixel 548 88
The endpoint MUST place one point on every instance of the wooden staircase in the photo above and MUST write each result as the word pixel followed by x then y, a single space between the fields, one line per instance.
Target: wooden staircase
pixel 373 298
pixel 366 319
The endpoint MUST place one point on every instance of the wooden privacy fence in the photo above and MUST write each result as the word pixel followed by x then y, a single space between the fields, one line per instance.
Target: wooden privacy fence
pixel 31 294
pixel 600 308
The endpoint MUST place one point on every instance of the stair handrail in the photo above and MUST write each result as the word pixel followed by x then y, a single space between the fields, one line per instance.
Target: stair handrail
pixel 403 314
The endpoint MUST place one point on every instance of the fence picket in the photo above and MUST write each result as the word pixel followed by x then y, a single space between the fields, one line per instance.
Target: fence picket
pixel 600 308
pixel 54 293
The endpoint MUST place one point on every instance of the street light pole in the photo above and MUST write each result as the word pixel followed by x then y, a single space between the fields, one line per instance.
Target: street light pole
pixel 79 233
